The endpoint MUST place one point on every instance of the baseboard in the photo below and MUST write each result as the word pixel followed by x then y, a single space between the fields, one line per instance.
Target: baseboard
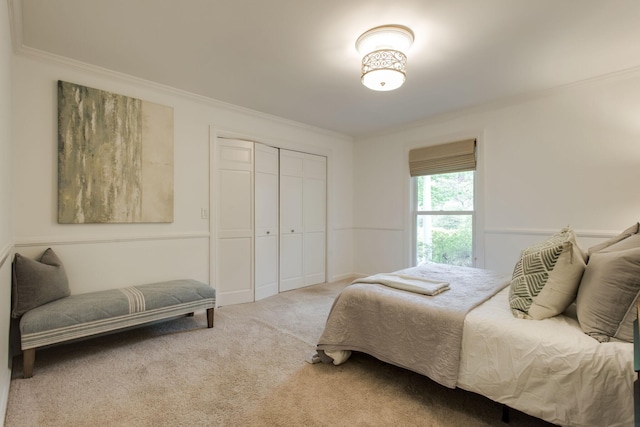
pixel 347 276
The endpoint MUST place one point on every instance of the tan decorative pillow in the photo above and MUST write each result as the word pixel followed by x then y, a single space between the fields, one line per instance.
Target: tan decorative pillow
pixel 546 277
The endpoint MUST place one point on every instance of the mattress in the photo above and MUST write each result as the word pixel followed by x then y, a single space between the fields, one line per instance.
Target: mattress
pixel 546 368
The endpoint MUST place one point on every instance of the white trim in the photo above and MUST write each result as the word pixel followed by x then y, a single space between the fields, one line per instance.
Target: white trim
pixel 4 255
pixel 5 384
pixel 60 240
pixel 479 249
pixel 377 229
pixel 15 23
pixel 340 277
pixel 216 133
pixel 478 213
pixel 43 56
pixel 342 228
pixel 549 232
pixel 228 133
pixel 497 104
pixel 213 194
pixel 445 212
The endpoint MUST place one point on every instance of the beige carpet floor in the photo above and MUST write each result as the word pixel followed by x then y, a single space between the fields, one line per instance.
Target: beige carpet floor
pixel 249 370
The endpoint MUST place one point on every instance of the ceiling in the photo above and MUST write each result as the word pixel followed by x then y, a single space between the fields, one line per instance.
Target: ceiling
pixel 297 59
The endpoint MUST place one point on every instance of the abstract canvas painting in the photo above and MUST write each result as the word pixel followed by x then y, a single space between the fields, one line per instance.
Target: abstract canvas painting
pixel 115 158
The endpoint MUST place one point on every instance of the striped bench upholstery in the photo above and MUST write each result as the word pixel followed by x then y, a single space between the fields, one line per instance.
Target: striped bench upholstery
pixel 83 315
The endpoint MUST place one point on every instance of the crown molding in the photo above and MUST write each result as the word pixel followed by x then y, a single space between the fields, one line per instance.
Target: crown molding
pixel 500 103
pixel 47 57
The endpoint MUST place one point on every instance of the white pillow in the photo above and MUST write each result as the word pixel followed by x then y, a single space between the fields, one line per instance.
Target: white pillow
pixel 546 277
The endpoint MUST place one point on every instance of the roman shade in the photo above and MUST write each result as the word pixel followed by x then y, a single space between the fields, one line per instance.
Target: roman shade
pixel 456 156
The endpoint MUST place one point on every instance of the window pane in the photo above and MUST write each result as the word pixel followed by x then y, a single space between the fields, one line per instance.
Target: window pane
pixel 445 192
pixel 445 239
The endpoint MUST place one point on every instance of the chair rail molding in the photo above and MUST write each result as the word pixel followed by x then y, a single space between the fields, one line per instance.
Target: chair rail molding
pixel 75 240
pixel 548 232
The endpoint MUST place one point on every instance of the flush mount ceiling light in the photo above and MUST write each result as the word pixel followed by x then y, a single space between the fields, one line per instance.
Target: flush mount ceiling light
pixel 384 60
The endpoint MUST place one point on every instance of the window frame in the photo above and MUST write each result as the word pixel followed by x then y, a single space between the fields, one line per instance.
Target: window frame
pixel 415 213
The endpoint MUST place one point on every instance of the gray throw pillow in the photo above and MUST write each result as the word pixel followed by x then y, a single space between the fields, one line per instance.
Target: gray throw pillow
pixel 37 282
pixel 630 242
pixel 608 293
pixel 631 231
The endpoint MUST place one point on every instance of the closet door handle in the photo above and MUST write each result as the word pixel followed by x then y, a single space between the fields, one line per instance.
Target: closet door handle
pixel 292 230
pixel 268 232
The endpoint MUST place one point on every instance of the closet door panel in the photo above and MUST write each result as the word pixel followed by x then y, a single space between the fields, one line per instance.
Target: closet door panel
pixel 234 204
pixel 266 221
pixel 314 205
pixel 290 203
pixel 315 217
pixel 266 204
pixel 235 269
pixel 315 167
pixel 291 217
pixel 291 163
pixel 314 258
pixel 235 210
pixel 266 159
pixel 291 269
pixel 266 277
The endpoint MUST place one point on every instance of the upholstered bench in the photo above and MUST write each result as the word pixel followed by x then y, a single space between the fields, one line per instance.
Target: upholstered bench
pixel 83 315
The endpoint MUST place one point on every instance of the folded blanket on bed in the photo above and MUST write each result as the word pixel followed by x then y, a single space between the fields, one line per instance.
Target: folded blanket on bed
pixel 407 329
pixel 419 285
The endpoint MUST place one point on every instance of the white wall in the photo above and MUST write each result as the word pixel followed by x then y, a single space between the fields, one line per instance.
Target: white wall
pixel 6 203
pixel 570 156
pixel 101 256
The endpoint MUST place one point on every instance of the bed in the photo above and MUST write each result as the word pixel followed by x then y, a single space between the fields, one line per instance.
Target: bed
pixel 552 368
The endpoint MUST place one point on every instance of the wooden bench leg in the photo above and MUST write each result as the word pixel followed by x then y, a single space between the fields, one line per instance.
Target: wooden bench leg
pixel 28 358
pixel 209 317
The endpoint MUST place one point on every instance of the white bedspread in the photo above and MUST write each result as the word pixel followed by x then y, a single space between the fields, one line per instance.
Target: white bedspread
pixel 547 368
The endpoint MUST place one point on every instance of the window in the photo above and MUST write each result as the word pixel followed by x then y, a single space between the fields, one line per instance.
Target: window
pixel 443 183
pixel 444 218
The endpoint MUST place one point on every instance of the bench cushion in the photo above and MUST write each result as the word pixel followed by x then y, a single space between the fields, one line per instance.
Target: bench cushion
pixel 91 313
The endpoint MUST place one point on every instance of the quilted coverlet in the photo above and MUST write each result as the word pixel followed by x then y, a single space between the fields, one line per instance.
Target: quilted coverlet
pixel 417 332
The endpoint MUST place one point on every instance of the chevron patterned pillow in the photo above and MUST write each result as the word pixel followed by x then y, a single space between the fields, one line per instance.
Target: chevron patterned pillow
pixel 546 277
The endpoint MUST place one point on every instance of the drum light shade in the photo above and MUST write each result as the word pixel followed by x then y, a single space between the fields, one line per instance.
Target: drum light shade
pixel 384 60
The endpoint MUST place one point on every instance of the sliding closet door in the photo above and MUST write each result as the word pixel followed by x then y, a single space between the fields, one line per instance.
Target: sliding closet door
pixel 314 218
pixel 302 219
pixel 291 231
pixel 266 221
pixel 234 222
